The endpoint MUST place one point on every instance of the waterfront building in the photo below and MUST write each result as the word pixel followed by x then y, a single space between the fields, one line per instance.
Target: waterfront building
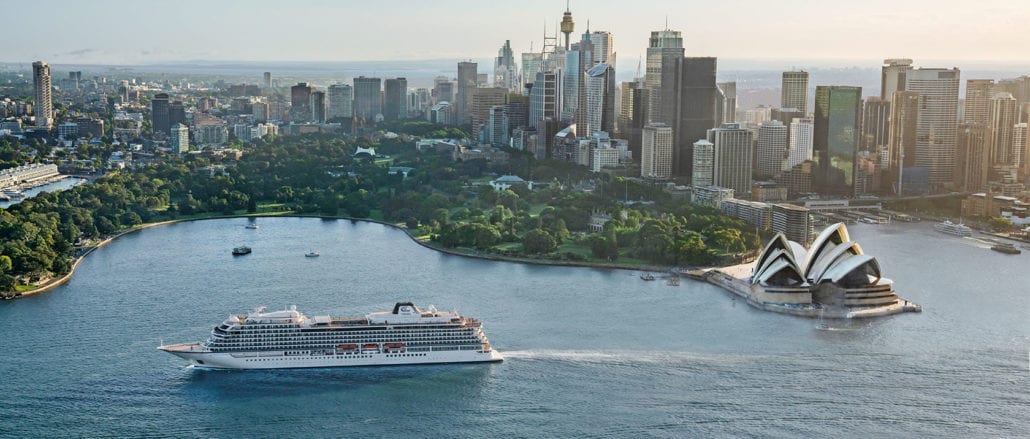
pixel 794 91
pixel 974 153
pixel 1003 115
pixel 42 105
pixel 794 222
pixel 341 102
pixel 938 121
pixel 838 110
pixel 26 174
pixel 833 273
pixel 755 213
pixel 656 154
pixel 772 148
pixel 901 139
pixel 395 102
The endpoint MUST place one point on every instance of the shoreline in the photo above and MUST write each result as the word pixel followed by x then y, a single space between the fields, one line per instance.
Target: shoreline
pixel 57 282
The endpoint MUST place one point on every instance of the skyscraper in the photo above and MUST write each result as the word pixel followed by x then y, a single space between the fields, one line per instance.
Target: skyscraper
pixel 656 151
pixel 690 99
pixel 875 124
pixel 543 99
pixel 443 90
pixel 799 145
pixel 974 144
pixel 483 100
pixel 772 148
pixel 893 76
pixel 268 80
pixel 467 73
pixel 794 90
pixel 180 139
pixel 727 110
pixel 530 66
pixel 368 101
pixel 318 106
pixel 901 138
pixel 505 71
pixel 176 113
pixel 600 100
pixel 578 61
pixel 602 44
pixel 1002 119
pixel 300 102
pixel 704 164
pixel 341 102
pixel 978 100
pixel 938 121
pixel 838 112
pixel 567 25
pixel 732 159
pixel 43 106
pixel 661 45
pixel 160 119
pixel 395 102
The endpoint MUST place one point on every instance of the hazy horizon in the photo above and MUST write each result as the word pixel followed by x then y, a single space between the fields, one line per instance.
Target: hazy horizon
pixel 84 33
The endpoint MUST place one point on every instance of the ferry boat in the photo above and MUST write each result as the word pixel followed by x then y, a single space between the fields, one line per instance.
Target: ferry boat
pixel 13 194
pixel 953 228
pixel 290 339
pixel 241 250
pixel 1004 247
pixel 647 276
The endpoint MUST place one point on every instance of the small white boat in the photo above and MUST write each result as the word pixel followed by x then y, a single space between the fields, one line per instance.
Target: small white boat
pixel 251 226
pixel 311 254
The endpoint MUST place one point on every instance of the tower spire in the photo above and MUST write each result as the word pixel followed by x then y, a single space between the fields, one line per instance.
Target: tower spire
pixel 567 25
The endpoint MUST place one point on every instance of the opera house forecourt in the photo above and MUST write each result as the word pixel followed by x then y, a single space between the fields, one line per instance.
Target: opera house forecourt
pixel 833 278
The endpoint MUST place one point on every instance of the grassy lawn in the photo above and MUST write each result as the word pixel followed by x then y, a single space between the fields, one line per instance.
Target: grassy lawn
pixel 509 246
pixel 23 288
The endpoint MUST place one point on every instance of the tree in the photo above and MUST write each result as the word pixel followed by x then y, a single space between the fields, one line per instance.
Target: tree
pixel 999 224
pixel 537 241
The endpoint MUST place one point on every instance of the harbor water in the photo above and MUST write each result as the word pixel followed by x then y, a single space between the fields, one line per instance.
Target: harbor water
pixel 588 352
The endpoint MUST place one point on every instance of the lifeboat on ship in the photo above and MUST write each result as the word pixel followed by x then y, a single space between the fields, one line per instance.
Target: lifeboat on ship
pixel 393 347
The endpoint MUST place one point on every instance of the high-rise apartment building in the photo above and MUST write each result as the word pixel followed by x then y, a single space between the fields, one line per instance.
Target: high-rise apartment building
pixel 395 99
pixel 893 76
pixel 368 102
pixel 704 164
pixel 732 165
pixel 838 112
pixel 772 148
pixel 180 139
pixel 160 119
pixel 268 80
pixel 467 81
pixel 656 151
pixel 300 102
pixel 1004 113
pixel 43 106
pixel 794 90
pixel 978 100
pixel 938 121
pixel 341 102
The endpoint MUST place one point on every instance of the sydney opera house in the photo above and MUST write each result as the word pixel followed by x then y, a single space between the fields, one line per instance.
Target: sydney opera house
pixel 832 273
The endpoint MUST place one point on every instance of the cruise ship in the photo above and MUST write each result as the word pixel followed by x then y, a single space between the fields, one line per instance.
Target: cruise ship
pixel 953 229
pixel 289 339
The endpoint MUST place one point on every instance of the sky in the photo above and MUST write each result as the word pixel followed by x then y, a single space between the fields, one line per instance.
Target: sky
pixel 134 32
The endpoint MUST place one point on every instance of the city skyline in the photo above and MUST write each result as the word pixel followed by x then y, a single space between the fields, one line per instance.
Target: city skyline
pixel 463 30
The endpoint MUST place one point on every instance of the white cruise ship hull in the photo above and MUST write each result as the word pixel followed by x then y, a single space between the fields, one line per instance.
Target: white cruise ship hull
pixel 280 360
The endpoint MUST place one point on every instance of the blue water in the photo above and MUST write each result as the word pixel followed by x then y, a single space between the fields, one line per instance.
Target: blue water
pixel 589 353
pixel 59 185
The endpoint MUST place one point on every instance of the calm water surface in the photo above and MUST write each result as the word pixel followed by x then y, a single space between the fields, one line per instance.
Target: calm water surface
pixel 589 353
